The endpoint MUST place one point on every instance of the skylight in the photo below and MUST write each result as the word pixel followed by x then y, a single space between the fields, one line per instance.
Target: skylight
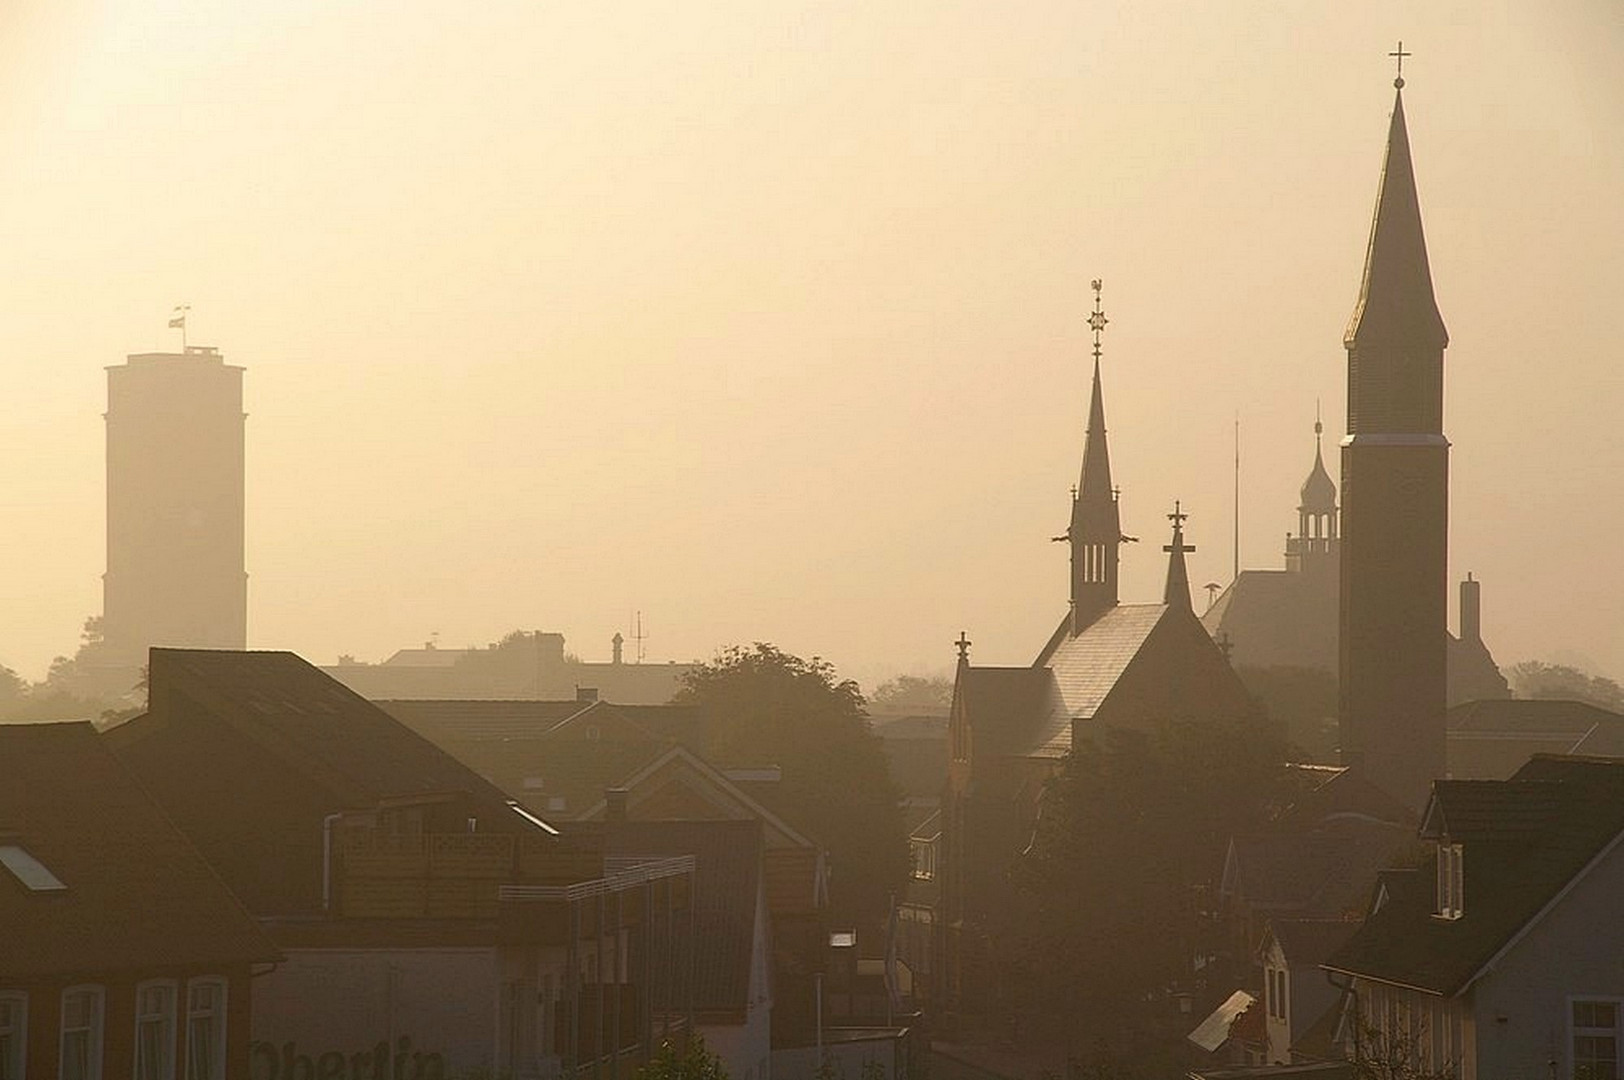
pixel 29 870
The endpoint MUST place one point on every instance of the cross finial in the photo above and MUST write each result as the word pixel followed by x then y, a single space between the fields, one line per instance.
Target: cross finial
pixel 964 646
pixel 1178 518
pixel 1400 54
pixel 1097 320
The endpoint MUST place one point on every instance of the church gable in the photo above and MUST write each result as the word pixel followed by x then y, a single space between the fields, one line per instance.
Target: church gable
pixel 1178 674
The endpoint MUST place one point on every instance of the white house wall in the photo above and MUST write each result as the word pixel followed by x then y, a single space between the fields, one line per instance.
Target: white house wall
pixel 1523 1007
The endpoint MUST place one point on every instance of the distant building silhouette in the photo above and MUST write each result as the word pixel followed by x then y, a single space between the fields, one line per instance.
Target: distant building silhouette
pixel 524 665
pixel 175 574
pixel 1395 492
pixel 1289 617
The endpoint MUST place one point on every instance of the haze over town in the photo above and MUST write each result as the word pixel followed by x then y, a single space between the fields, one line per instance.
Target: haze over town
pixel 552 314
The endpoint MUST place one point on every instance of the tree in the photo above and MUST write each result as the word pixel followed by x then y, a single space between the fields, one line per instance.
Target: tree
pixel 1533 679
pixel 911 692
pixel 1115 900
pixel 764 706
pixel 688 1060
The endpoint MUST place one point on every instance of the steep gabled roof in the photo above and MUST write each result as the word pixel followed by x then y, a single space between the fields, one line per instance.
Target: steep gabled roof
pixel 1088 666
pixel 137 894
pixel 312 724
pixel 1526 841
pixel 441 720
pixel 1002 704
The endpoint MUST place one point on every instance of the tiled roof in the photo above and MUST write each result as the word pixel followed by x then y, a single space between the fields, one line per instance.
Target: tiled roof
pixel 1087 667
pixel 1003 705
pixel 727 888
pixel 1310 941
pixel 1524 840
pixel 439 720
pixel 1538 716
pixel 314 724
pixel 138 894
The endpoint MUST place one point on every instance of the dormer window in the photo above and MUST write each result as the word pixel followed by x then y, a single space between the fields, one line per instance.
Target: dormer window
pixel 1451 880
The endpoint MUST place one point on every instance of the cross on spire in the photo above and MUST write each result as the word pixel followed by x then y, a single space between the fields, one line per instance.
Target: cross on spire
pixel 1400 54
pixel 964 646
pixel 1178 517
pixel 1097 320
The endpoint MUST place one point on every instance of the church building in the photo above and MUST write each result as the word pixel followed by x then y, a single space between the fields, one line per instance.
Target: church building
pixel 1107 664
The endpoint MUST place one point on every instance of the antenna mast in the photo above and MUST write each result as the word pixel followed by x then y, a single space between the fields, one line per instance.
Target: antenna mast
pixel 638 637
pixel 1237 494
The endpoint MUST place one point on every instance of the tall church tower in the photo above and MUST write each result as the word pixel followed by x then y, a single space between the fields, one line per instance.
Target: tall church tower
pixel 175 571
pixel 1395 500
pixel 1096 529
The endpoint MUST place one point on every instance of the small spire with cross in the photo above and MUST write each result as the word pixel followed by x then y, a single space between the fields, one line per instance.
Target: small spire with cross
pixel 1178 575
pixel 964 647
pixel 1399 54
pixel 1097 319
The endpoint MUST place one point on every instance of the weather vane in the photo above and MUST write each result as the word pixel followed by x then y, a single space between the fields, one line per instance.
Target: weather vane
pixel 1398 83
pixel 1097 321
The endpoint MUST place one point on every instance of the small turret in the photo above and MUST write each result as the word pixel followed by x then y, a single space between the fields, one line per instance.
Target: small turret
pixel 1316 543
pixel 1177 591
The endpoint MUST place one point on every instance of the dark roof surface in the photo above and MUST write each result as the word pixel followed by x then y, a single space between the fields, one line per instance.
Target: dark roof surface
pixel 1538 716
pixel 727 888
pixel 315 725
pixel 138 894
pixel 1523 840
pixel 1311 941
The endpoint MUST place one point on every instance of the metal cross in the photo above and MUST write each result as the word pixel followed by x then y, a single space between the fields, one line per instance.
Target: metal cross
pixel 964 646
pixel 1177 517
pixel 1398 83
pixel 1097 320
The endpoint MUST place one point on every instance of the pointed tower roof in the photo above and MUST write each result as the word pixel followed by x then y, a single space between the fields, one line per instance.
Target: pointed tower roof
pixel 1094 485
pixel 1177 591
pixel 1395 298
pixel 1318 493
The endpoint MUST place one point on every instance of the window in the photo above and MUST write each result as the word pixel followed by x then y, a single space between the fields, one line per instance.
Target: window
pixel 155 1031
pixel 13 1035
pixel 1274 991
pixel 924 860
pixel 1595 1040
pixel 1451 880
pixel 205 1029
pixel 81 1033
pixel 29 870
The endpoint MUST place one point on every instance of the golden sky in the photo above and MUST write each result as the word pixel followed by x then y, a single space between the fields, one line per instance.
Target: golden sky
pixel 766 318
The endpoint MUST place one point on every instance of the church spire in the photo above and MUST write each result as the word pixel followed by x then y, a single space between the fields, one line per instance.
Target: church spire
pixel 1396 301
pixel 1096 529
pixel 1177 592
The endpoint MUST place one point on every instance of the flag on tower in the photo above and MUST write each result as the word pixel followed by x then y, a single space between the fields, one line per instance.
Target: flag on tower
pixel 177 318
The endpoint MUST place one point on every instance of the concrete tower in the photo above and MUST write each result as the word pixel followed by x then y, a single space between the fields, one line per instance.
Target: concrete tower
pixel 1395 500
pixel 175 571
pixel 1095 534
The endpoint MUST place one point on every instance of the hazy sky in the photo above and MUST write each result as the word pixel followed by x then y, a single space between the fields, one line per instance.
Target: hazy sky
pixel 766 318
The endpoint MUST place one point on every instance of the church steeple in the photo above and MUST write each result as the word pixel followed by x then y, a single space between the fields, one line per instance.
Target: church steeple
pixel 1096 529
pixel 1395 500
pixel 1177 591
pixel 1396 310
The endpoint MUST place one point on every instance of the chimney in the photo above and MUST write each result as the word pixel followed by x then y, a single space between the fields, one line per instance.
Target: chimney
pixel 617 641
pixel 614 805
pixel 1471 610
pixel 586 693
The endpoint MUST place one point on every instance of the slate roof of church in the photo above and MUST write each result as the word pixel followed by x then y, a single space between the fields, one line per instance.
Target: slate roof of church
pixel 137 894
pixel 1524 840
pixel 1087 666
